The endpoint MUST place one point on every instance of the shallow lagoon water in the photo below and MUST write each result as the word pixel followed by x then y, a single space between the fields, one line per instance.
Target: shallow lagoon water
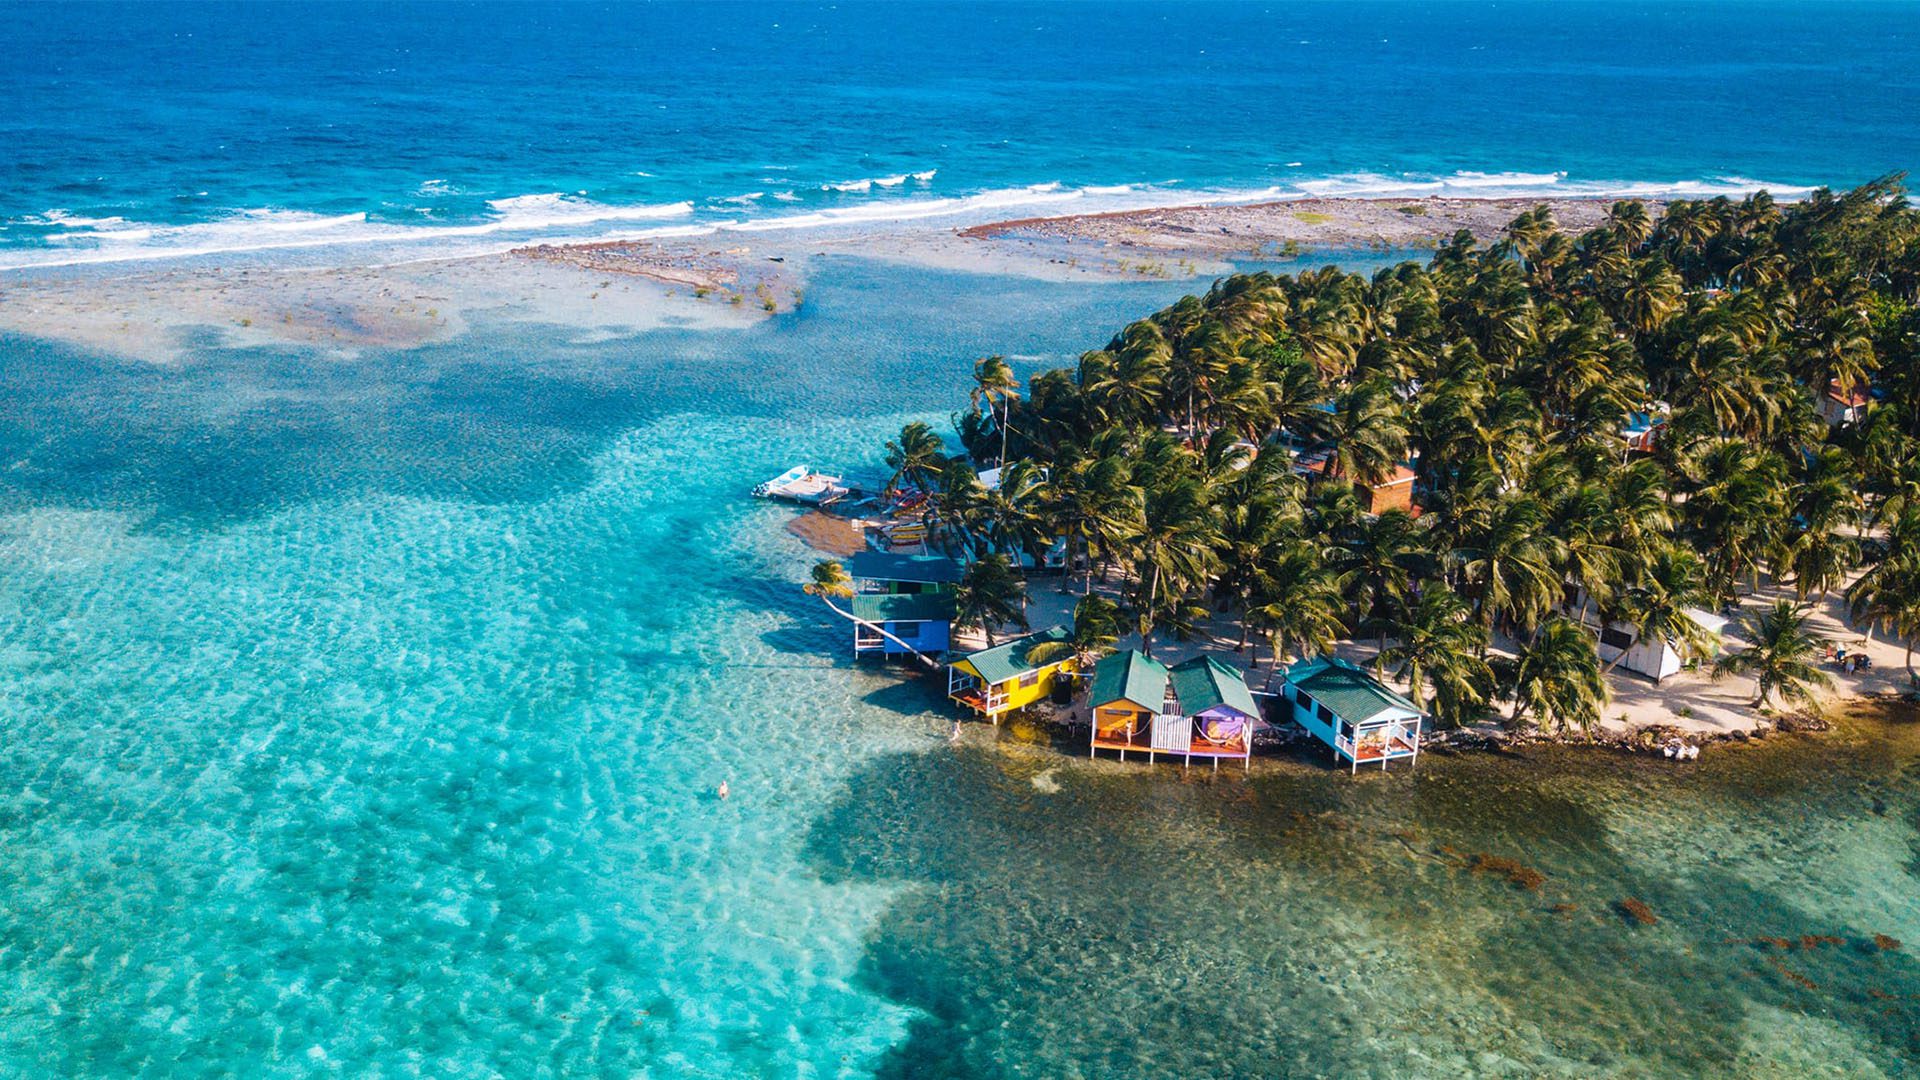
pixel 363 717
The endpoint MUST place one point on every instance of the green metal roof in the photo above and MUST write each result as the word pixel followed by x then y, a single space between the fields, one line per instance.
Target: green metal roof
pixel 1204 683
pixel 1350 692
pixel 902 607
pixel 1008 660
pixel 1129 676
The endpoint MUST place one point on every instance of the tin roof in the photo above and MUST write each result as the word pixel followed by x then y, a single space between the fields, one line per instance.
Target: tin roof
pixel 1352 693
pixel 902 607
pixel 1129 676
pixel 887 566
pixel 1204 683
pixel 1008 660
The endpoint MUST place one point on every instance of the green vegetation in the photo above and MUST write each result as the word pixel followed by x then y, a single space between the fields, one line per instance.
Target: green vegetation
pixel 1311 218
pixel 829 581
pixel 1783 658
pixel 1096 626
pixel 990 594
pixel 1504 377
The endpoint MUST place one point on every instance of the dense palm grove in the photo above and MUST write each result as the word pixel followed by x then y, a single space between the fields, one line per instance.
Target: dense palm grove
pixel 1503 376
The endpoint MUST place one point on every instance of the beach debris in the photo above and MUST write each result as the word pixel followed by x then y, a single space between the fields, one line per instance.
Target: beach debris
pixel 1637 910
pixel 1885 943
pixel 1677 750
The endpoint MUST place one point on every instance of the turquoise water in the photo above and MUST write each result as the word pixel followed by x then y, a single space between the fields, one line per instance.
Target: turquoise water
pixel 390 129
pixel 364 718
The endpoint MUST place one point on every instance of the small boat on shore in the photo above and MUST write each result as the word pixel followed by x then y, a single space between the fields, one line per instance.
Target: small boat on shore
pixel 802 485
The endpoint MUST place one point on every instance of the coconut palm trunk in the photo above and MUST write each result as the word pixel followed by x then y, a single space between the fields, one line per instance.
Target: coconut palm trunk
pixel 883 632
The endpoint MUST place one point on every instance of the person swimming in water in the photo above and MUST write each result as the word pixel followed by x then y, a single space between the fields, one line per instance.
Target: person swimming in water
pixel 723 791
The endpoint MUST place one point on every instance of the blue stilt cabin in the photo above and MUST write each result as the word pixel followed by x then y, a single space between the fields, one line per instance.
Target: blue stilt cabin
pixel 903 603
pixel 1352 712
pixel 921 623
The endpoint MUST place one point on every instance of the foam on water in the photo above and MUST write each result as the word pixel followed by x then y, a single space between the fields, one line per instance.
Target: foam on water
pixel 552 216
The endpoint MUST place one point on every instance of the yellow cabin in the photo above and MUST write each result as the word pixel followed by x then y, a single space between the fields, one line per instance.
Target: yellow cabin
pixel 1001 679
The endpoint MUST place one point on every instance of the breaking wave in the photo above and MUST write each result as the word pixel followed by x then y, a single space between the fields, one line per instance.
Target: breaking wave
pixel 63 238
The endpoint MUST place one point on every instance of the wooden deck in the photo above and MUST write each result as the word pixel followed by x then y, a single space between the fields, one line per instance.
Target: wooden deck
pixel 1375 751
pixel 1144 745
pixel 975 700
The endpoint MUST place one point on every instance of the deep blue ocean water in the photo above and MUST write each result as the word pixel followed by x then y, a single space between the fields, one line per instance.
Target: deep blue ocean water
pixel 136 128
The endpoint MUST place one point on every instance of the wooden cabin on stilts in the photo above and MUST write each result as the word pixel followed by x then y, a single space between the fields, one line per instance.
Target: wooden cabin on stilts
pixel 1200 708
pixel 996 681
pixel 1353 712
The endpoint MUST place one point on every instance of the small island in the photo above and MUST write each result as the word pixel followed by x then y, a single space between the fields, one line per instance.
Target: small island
pixel 1658 480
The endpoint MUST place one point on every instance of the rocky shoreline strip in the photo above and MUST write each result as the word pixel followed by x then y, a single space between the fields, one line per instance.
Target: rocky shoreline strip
pixel 1288 227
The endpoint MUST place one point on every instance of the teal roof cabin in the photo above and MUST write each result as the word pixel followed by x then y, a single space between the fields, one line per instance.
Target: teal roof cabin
pixel 886 572
pixel 1006 677
pixel 898 624
pixel 1198 708
pixel 1352 712
pixel 1129 676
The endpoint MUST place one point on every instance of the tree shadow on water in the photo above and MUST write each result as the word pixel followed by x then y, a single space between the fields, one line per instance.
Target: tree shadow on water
pixel 1106 921
pixel 1077 926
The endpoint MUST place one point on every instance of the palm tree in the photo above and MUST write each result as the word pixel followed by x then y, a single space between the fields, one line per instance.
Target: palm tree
pixel 1826 500
pixel 829 582
pixel 916 456
pixel 1127 387
pixel 1437 643
pixel 1647 295
pixel 1509 563
pixel 1006 517
pixel 1096 626
pixel 1364 435
pixel 1557 678
pixel 1296 602
pixel 1782 657
pixel 1173 553
pixel 994 383
pixel 1197 368
pixel 989 594
pixel 1674 579
pixel 1888 596
pixel 1734 508
pixel 1253 520
pixel 1378 566
pixel 1632 220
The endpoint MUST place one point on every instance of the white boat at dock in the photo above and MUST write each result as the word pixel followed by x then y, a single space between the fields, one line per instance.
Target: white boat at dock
pixel 801 484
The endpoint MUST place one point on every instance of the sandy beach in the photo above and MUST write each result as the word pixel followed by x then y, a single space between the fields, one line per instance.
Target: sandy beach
pixel 151 312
